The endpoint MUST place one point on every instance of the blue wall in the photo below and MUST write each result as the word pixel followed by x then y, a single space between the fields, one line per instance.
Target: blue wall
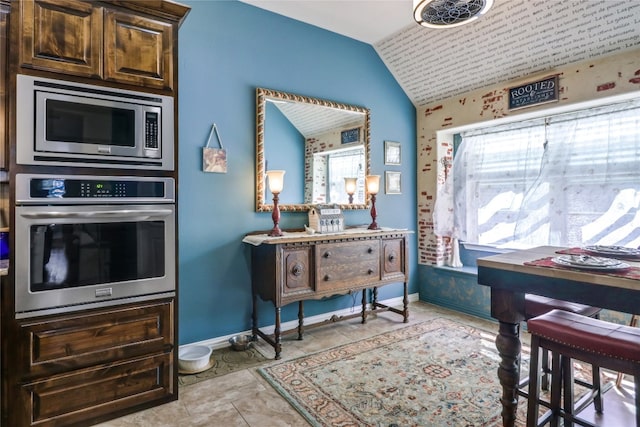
pixel 226 50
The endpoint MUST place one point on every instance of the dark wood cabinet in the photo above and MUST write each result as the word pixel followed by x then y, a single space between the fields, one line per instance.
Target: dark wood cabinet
pixel 128 42
pixel 138 51
pixel 301 267
pixel 4 54
pixel 85 367
pixel 64 36
pixel 91 365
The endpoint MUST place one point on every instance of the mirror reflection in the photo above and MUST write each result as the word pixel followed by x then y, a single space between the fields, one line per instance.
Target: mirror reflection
pixel 322 145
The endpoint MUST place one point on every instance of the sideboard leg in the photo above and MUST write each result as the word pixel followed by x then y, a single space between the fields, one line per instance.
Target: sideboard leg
pixel 364 305
pixel 374 299
pixel 300 319
pixel 254 318
pixel 405 303
pixel 276 335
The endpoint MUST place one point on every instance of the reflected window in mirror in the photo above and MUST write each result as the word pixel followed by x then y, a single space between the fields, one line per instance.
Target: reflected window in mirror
pixel 330 170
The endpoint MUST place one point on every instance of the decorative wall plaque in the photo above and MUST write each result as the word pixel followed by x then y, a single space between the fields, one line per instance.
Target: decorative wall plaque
pixel 534 93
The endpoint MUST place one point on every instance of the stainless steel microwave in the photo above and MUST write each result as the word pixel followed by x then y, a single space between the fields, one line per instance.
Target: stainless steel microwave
pixel 62 123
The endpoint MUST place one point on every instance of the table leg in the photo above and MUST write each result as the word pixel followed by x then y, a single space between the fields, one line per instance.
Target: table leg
pixel 509 346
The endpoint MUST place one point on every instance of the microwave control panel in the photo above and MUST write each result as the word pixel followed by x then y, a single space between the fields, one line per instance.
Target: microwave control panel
pixel 151 130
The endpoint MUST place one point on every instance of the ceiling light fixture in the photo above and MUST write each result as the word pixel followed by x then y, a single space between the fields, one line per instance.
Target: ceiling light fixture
pixel 448 13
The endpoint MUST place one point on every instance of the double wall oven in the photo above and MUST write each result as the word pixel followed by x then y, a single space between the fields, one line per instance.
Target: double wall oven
pixel 92 241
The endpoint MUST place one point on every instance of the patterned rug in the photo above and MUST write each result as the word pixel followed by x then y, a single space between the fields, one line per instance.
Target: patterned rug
pixel 437 373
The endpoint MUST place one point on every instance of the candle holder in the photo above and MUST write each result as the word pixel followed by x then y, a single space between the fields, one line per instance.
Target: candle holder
pixel 276 183
pixel 373 186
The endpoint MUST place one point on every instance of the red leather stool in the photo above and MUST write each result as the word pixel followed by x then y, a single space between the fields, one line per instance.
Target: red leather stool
pixel 536 305
pixel 571 336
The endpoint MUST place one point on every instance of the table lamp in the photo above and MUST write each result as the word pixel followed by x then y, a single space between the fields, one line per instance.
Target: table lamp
pixel 373 186
pixel 276 183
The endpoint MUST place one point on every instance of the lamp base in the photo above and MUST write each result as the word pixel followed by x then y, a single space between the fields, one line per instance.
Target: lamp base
pixel 275 232
pixel 374 214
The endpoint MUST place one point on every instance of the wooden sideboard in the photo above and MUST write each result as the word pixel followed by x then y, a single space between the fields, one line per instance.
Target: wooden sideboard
pixel 300 266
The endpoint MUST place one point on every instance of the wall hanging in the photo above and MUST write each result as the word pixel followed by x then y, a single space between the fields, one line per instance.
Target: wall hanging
pixel 214 159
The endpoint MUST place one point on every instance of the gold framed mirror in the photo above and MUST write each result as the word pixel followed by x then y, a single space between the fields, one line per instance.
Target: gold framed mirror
pixel 321 145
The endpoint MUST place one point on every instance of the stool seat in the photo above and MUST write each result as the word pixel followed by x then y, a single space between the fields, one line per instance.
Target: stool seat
pixel 587 334
pixel 536 305
pixel 570 336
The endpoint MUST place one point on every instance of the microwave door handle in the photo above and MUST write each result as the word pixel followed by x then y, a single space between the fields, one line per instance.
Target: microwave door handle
pixel 121 213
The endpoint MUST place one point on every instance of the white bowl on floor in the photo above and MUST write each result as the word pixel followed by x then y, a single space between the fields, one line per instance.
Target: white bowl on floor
pixel 194 358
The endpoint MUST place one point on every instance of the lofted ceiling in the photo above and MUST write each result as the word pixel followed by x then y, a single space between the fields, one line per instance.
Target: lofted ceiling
pixel 516 38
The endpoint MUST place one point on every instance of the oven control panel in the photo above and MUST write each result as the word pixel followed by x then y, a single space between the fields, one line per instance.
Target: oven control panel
pixel 33 188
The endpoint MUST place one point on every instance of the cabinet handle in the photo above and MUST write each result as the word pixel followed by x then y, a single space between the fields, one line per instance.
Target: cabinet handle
pixel 327 278
pixel 370 271
pixel 369 249
pixel 327 254
pixel 392 256
pixel 297 270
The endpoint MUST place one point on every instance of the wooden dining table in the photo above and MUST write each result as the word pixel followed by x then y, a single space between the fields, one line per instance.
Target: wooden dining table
pixel 511 275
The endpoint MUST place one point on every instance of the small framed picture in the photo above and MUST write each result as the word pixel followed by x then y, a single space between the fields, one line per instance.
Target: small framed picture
pixel 392 183
pixel 392 154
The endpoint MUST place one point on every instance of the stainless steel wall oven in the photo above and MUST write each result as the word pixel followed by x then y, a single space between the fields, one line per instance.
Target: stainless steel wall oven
pixel 87 241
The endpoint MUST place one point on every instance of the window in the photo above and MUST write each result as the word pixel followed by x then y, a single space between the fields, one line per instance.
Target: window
pixel 567 180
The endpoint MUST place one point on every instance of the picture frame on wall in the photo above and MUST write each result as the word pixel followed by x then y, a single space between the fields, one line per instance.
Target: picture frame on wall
pixel 392 182
pixel 392 153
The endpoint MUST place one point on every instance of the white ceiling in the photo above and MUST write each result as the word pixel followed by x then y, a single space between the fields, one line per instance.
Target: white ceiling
pixel 516 38
pixel 366 20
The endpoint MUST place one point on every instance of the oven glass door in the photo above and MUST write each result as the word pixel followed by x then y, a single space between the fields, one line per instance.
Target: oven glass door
pixel 76 255
pixel 91 253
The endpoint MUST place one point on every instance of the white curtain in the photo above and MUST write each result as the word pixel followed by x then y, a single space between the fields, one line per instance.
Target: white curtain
pixel 571 179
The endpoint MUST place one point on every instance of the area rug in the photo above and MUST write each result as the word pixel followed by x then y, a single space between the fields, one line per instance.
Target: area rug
pixel 436 373
pixel 224 361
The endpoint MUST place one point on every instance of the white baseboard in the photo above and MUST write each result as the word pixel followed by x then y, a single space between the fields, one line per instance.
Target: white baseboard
pixel 223 341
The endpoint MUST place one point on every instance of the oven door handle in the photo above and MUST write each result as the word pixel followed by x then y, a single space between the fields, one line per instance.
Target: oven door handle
pixel 121 213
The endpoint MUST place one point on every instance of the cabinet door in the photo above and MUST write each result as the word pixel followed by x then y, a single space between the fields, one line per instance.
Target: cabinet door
pixel 298 271
pixel 4 51
pixel 138 51
pixel 63 36
pixel 393 259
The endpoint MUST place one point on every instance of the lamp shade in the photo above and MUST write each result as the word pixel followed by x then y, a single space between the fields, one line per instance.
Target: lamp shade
pixel 276 180
pixel 448 13
pixel 350 185
pixel 373 184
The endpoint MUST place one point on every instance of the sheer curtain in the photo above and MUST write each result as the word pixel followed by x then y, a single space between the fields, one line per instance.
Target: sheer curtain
pixel 570 179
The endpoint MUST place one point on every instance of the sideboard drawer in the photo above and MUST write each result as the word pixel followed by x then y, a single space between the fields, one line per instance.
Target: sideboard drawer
pixel 347 264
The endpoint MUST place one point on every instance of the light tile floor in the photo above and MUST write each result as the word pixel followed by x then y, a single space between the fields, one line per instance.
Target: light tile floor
pixel 245 399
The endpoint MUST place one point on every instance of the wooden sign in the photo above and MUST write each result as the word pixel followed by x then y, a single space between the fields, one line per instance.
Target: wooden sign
pixel 534 93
